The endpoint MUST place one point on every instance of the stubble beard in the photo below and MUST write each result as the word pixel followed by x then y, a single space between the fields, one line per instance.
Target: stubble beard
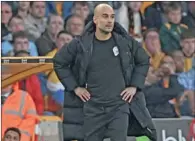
pixel 104 32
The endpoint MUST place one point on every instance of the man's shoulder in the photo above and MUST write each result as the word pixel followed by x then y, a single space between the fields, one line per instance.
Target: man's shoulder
pixel 166 26
pixel 52 53
pixel 21 92
pixel 183 26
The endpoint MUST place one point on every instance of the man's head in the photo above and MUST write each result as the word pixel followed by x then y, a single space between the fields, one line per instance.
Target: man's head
pixel 191 7
pixel 23 5
pixel 12 134
pixel 174 12
pixel 63 38
pixel 164 4
pixel 178 58
pixel 188 42
pixel 20 41
pixel 152 41
pixel 37 9
pixel 6 12
pixel 75 25
pixel 135 5
pixel 16 24
pixel 104 18
pixel 55 24
pixel 81 8
pixel 167 66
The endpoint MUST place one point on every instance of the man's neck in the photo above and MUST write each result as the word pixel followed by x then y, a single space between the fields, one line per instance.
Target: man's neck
pixel 22 13
pixel 52 36
pixel 101 36
pixel 37 20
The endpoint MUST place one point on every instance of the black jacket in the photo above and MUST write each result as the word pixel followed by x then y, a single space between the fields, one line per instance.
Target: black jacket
pixel 70 65
pixel 44 44
pixel 157 98
pixel 153 18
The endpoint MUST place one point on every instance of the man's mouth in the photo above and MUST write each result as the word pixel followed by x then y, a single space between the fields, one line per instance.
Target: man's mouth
pixel 108 25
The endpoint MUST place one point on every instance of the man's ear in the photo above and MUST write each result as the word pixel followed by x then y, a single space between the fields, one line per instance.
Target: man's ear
pixel 94 19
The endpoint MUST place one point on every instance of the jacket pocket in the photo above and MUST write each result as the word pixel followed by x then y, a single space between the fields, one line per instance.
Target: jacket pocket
pixel 71 100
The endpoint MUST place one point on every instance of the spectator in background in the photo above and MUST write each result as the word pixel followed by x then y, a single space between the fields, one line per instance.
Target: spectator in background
pixel 152 77
pixel 35 22
pixel 153 47
pixel 16 24
pixel 178 58
pixel 12 134
pixel 158 95
pixel 18 111
pixel 82 9
pixel 23 8
pixel 46 42
pixel 56 99
pixel 31 85
pixel 74 25
pixel 20 42
pixel 53 84
pixel 62 8
pixel 170 32
pixel 131 18
pixel 155 14
pixel 188 47
pixel 187 80
pixel 6 14
pixel 189 20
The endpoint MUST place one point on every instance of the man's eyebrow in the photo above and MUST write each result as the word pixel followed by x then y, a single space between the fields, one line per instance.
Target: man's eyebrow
pixel 105 14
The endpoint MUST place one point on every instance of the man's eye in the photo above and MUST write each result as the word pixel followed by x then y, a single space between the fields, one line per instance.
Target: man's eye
pixel 105 16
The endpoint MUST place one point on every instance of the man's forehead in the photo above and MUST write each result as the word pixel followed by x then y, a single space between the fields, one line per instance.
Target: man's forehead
pixel 12 132
pixel 189 39
pixel 152 33
pixel 103 8
pixel 22 39
pixel 15 19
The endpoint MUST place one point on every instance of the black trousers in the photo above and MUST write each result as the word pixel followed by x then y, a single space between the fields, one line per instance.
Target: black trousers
pixel 98 120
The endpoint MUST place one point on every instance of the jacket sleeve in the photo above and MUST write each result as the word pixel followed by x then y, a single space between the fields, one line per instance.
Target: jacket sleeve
pixel 141 65
pixel 27 126
pixel 63 59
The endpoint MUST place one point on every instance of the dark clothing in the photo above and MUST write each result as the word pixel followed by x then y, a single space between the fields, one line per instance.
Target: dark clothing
pixel 71 64
pixel 113 120
pixel 44 44
pixel 189 20
pixel 170 37
pixel 154 17
pixel 105 79
pixel 157 98
pixel 4 31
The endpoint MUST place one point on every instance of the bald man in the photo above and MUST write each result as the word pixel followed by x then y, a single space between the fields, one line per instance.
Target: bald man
pixel 104 68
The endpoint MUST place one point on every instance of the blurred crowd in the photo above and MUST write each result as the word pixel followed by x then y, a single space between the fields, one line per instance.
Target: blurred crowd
pixel 165 29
